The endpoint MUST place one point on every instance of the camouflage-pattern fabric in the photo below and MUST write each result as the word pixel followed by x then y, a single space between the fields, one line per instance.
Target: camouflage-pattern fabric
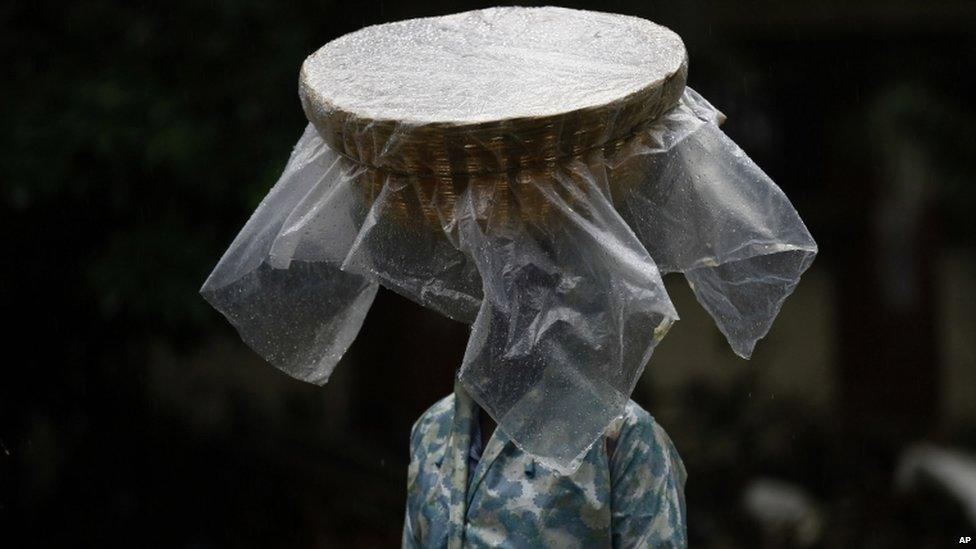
pixel 628 492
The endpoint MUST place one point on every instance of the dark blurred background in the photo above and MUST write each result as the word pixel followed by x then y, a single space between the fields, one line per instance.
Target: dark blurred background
pixel 136 138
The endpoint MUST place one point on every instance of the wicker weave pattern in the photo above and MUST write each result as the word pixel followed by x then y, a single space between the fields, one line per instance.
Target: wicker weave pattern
pixel 428 165
pixel 491 147
pixel 429 199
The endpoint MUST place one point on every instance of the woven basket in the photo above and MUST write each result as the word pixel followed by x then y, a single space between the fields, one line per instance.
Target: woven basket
pixel 428 165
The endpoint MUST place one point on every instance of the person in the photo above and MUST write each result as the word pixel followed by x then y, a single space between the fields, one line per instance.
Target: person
pixel 627 492
pixel 560 168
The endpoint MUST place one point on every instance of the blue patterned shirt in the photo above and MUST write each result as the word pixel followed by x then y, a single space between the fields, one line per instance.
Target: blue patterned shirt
pixel 628 492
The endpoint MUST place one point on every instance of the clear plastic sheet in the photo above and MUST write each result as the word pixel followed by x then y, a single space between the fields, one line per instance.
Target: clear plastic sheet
pixel 558 271
pixel 280 282
pixel 555 60
pixel 573 307
pixel 490 90
pixel 703 208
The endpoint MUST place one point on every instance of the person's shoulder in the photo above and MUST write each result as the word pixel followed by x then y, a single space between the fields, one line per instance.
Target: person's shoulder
pixel 633 417
pixel 435 417
pixel 638 423
pixel 429 434
pixel 634 414
pixel 641 435
pixel 440 409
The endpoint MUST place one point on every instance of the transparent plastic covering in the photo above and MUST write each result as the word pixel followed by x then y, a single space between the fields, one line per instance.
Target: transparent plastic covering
pixel 438 70
pixel 490 90
pixel 558 270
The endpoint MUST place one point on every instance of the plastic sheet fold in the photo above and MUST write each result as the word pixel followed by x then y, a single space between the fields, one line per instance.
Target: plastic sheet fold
pixel 558 271
pixel 704 209
pixel 280 282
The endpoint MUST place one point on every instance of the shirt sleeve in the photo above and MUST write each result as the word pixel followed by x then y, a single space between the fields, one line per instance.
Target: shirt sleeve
pixel 648 478
pixel 410 539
